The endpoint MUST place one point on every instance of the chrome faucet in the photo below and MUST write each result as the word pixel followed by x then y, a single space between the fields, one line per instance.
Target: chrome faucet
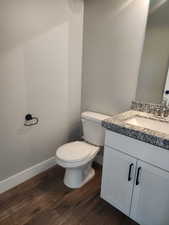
pixel 162 109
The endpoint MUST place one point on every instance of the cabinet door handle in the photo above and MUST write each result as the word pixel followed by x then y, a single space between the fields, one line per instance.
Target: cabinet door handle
pixel 130 170
pixel 138 176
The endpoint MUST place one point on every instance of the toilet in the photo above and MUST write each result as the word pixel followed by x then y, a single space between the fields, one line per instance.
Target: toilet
pixel 77 157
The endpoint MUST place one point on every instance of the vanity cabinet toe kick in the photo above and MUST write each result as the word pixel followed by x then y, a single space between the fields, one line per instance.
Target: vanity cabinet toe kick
pixel 135 179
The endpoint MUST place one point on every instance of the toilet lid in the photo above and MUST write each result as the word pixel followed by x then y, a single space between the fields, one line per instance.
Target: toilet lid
pixel 76 151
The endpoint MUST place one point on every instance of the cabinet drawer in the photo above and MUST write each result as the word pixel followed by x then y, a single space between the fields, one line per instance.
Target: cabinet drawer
pixel 140 150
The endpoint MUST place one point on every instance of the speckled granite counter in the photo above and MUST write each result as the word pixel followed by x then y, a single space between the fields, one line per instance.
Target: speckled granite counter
pixel 117 124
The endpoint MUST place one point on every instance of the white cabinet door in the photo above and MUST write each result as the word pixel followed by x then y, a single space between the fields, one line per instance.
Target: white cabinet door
pixel 118 179
pixel 150 202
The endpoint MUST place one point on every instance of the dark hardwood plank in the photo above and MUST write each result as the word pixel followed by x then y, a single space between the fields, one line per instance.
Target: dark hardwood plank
pixel 44 200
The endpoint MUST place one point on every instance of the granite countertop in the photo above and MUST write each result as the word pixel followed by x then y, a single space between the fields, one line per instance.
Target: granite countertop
pixel 117 124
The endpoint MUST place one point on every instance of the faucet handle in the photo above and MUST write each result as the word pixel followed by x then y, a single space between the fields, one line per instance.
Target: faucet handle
pixel 166 112
pixel 158 111
pixel 164 102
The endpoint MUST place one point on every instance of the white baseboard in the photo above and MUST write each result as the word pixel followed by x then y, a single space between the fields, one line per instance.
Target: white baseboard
pixel 24 175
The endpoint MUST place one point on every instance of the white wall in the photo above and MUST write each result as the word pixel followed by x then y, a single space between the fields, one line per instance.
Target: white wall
pixel 40 73
pixel 113 40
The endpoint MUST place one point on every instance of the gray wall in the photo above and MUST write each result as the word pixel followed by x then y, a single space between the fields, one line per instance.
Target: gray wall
pixel 40 72
pixel 113 40
pixel 155 59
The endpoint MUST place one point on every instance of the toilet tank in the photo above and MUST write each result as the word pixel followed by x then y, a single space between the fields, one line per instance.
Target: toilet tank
pixel 93 132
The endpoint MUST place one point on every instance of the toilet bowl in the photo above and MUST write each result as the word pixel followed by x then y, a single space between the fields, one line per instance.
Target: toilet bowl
pixel 77 157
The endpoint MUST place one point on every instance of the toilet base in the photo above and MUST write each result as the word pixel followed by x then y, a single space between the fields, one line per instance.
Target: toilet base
pixel 77 177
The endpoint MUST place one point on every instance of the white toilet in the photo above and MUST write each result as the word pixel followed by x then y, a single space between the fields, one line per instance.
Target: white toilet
pixel 77 157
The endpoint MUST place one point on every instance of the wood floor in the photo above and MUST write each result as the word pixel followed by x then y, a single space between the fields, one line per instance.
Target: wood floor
pixel 44 200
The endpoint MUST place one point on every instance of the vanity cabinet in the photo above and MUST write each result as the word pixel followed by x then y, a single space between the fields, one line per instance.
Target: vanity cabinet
pixel 133 184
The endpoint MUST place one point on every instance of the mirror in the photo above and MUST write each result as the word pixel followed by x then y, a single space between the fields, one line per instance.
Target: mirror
pixel 155 57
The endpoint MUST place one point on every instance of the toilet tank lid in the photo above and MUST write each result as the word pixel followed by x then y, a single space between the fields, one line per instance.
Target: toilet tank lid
pixel 93 116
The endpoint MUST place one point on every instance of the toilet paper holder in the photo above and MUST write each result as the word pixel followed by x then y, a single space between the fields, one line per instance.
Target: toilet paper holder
pixel 30 120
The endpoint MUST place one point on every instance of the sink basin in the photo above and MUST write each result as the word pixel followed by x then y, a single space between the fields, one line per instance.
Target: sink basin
pixel 156 125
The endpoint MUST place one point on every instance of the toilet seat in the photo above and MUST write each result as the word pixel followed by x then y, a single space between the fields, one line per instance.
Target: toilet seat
pixel 76 151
